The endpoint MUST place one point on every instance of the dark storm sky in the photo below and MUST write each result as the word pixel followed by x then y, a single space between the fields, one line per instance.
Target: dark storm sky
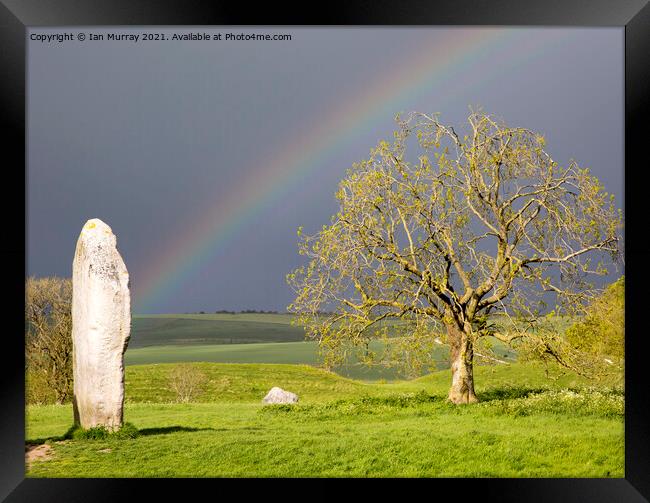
pixel 147 136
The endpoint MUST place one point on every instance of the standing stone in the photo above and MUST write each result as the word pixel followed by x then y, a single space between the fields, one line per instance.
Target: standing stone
pixel 101 326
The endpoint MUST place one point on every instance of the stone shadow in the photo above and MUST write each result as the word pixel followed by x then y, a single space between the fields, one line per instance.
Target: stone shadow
pixel 165 430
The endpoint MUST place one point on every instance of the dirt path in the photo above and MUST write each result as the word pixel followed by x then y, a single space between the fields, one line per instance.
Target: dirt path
pixel 42 452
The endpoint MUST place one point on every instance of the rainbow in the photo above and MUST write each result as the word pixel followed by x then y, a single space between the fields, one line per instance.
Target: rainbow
pixel 272 176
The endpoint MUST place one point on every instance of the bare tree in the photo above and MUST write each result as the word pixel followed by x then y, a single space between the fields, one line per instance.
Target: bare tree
pixel 440 227
pixel 48 334
pixel 187 382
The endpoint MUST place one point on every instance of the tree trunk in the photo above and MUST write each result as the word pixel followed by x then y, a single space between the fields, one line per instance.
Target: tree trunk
pixel 462 368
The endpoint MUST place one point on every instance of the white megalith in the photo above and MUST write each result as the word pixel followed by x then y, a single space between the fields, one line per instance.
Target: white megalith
pixel 101 326
pixel 278 395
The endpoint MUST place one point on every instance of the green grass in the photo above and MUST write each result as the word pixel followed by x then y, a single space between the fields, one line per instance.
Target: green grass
pixel 530 422
pixel 269 352
pixel 76 432
pixel 239 382
pixel 168 329
pixel 250 382
pixel 523 427
pixel 236 338
pixel 246 338
pixel 305 353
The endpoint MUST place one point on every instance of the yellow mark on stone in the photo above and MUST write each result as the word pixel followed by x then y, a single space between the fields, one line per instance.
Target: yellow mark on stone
pixel 90 225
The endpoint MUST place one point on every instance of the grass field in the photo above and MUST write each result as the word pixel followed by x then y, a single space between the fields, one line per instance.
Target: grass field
pixel 244 338
pixel 170 329
pixel 525 426
pixel 355 422
pixel 305 352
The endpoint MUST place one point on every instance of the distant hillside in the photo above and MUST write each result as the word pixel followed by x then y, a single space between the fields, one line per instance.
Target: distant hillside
pixel 171 329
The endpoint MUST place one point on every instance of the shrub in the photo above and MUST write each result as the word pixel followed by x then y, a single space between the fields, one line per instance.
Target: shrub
pixel 601 332
pixel 38 390
pixel 573 402
pixel 509 401
pixel 187 382
pixel 76 432
pixel 365 405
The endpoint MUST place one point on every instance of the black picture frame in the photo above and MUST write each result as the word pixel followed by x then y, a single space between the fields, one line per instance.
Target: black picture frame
pixel 633 15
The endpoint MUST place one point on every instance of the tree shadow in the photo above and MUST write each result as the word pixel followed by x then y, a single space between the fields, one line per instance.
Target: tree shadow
pixel 509 393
